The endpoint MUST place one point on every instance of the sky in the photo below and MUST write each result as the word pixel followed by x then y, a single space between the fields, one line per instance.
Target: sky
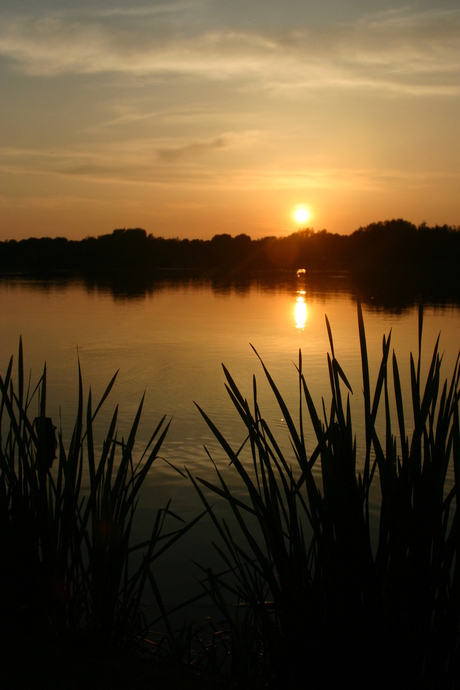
pixel 191 118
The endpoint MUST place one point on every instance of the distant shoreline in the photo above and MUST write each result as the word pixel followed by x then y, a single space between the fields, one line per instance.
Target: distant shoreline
pixel 393 247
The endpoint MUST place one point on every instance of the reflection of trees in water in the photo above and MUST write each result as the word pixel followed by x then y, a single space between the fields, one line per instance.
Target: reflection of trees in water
pixel 378 292
pixel 391 263
pixel 400 290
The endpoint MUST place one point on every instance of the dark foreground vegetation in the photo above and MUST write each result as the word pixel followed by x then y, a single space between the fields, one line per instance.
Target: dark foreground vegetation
pixel 328 595
pixel 395 245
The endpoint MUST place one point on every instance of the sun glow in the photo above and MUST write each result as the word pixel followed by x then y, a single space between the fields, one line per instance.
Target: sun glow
pixel 301 214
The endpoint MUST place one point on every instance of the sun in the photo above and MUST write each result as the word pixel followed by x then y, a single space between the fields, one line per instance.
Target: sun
pixel 301 214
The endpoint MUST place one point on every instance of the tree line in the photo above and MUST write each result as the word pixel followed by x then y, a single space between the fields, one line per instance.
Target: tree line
pixel 395 246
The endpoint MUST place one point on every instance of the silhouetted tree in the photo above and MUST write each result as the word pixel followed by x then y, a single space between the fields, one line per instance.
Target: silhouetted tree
pixel 396 246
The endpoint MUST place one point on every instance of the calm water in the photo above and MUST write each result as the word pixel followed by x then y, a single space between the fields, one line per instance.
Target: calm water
pixel 171 340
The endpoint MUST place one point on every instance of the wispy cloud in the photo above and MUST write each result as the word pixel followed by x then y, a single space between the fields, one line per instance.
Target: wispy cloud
pixel 396 52
pixel 50 201
pixel 160 9
pixel 191 150
pixel 132 161
pixel 145 168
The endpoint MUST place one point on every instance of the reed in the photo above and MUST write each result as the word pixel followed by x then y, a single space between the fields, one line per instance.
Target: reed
pixel 67 557
pixel 310 594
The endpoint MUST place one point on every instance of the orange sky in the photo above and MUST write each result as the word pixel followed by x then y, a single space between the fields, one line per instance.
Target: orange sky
pixel 198 117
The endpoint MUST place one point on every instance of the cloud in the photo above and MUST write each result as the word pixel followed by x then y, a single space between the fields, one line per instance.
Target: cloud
pixel 168 8
pixel 141 168
pixel 191 151
pixel 49 202
pixel 132 162
pixel 397 52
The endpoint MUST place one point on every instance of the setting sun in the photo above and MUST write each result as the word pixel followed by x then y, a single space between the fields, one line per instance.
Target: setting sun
pixel 301 214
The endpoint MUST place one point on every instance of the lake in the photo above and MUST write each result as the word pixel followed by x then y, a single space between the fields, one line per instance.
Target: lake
pixel 170 340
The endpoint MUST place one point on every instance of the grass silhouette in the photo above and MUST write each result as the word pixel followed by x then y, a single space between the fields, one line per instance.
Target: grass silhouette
pixel 67 552
pixel 320 602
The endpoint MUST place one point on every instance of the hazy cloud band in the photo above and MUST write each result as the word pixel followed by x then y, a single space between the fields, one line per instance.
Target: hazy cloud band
pixel 414 54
